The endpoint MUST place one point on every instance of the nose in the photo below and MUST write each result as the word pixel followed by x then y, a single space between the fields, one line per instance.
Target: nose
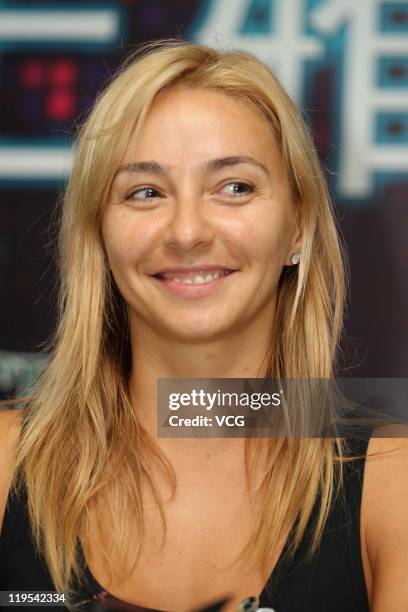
pixel 188 225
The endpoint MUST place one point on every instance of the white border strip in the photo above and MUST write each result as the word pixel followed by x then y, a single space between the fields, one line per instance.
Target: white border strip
pixel 98 25
pixel 47 163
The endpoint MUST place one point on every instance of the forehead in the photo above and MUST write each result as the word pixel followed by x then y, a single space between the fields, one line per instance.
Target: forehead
pixel 190 125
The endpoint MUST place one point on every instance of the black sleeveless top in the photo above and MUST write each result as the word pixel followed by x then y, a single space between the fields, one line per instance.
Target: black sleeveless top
pixel 332 581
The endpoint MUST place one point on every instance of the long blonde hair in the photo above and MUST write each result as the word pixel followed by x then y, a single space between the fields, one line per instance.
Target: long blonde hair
pixel 80 438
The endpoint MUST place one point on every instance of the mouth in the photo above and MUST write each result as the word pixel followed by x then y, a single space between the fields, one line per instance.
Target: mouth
pixel 194 284
pixel 200 277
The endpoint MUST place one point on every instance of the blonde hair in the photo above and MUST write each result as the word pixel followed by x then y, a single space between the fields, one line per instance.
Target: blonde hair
pixel 79 429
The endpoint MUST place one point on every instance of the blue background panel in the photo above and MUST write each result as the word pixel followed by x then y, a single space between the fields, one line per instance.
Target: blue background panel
pixel 392 72
pixel 393 17
pixel 392 128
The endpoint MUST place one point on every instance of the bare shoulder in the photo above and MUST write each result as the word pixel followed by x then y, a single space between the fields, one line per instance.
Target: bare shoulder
pixel 385 515
pixel 386 473
pixel 10 426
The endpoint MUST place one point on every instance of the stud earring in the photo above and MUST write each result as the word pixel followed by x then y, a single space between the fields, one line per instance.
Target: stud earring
pixel 295 258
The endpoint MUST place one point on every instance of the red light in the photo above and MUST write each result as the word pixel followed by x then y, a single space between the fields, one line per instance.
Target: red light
pixel 60 104
pixel 32 74
pixel 62 72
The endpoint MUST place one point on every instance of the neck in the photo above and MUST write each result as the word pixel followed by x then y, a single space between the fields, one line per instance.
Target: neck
pixel 155 357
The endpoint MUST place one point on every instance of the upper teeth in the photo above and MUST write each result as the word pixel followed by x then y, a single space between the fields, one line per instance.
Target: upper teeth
pixel 201 277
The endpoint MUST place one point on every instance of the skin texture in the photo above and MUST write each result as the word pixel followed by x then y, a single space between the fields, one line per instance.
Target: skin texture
pixel 195 216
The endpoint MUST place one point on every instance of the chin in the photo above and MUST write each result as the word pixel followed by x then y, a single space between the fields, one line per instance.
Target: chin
pixel 198 330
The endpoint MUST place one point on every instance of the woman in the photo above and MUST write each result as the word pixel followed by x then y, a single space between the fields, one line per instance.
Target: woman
pixel 194 163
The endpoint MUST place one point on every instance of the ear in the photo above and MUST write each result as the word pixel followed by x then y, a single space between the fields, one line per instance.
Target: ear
pixel 296 243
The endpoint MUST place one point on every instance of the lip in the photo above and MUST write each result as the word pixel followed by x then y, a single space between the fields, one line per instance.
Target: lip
pixel 186 269
pixel 193 291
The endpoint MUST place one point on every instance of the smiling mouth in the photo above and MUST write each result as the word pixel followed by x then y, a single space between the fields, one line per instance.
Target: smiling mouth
pixel 194 278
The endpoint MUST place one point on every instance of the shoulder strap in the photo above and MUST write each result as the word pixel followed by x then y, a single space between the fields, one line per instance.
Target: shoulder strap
pixel 21 568
pixel 334 578
pixel 354 475
pixel 15 499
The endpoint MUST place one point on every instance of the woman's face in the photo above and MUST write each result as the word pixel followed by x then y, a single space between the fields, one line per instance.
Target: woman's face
pixel 202 189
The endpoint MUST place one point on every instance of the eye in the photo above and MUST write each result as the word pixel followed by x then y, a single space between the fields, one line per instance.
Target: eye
pixel 238 188
pixel 142 194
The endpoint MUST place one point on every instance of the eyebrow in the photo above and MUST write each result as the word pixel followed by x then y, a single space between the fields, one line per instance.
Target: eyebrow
pixel 211 165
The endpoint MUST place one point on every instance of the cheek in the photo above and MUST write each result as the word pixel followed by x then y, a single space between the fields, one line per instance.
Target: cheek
pixel 267 242
pixel 126 242
pixel 275 240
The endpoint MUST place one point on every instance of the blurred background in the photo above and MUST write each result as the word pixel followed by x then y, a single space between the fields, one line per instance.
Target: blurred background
pixel 345 63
